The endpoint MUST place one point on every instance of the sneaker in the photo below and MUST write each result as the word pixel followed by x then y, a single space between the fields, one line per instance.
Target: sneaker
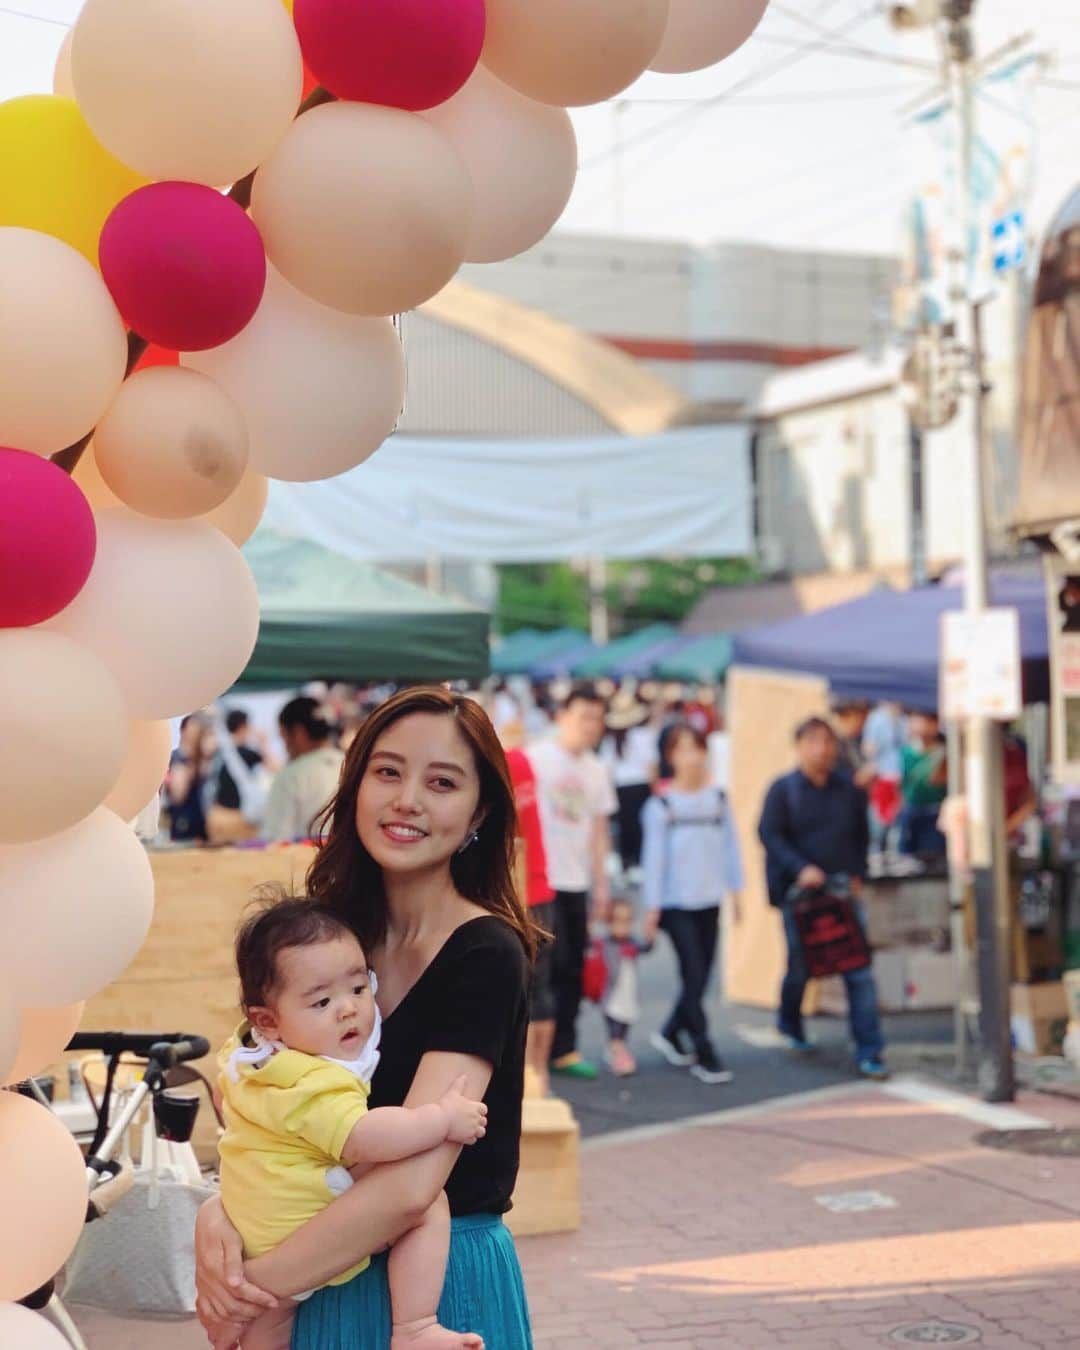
pixel 873 1068
pixel 620 1061
pixel 672 1052
pixel 573 1066
pixel 801 1045
pixel 710 1068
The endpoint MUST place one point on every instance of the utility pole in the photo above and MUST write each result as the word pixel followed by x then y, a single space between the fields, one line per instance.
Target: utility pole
pixel 984 771
pixel 599 617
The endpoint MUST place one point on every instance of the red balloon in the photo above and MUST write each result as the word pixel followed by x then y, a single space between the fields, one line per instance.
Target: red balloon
pixel 47 539
pixel 411 54
pixel 185 265
pixel 157 356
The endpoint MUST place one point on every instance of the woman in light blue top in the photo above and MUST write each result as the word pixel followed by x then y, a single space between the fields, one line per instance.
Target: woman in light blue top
pixel 690 862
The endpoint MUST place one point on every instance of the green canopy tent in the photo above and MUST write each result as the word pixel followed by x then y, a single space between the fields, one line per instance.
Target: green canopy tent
pixel 609 660
pixel 703 661
pixel 325 616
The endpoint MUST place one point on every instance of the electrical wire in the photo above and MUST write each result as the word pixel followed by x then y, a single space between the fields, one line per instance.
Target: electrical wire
pixel 34 18
pixel 851 48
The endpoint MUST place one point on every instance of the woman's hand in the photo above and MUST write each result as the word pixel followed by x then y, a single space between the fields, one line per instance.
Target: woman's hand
pixel 226 1297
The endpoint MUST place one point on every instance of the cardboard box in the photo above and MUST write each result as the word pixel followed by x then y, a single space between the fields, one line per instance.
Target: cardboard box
pixel 1040 1016
pixel 909 979
pixel 911 912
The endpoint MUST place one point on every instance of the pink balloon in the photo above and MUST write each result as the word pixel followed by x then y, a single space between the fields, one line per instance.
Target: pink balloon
pixel 411 54
pixel 185 265
pixel 47 539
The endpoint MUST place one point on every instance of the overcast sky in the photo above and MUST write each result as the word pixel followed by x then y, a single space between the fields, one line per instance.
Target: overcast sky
pixel 799 139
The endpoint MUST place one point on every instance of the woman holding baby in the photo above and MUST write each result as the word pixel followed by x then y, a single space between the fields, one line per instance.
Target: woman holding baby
pixel 418 865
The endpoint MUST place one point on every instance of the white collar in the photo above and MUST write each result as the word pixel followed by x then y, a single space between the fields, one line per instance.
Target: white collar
pixel 263 1049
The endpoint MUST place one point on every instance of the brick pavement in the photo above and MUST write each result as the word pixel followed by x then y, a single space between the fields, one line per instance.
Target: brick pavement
pixel 711 1237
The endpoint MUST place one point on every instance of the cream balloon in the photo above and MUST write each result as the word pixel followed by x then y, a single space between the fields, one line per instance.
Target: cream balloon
pixel 173 444
pixel 521 156
pixel 45 1033
pixel 43 1181
pixel 59 705
pixel 19 1327
pixel 572 52
pixel 62 81
pixel 701 32
pixel 200 91
pixel 170 608
pixel 74 910
pixel 63 349
pixel 143 771
pixel 320 390
pixel 94 488
pixel 10 1036
pixel 238 516
pixel 364 209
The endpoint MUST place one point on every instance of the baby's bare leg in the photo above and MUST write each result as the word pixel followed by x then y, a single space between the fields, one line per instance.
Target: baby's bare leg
pixel 417 1269
pixel 271 1330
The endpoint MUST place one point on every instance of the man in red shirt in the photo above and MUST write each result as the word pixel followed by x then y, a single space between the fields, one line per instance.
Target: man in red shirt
pixel 540 898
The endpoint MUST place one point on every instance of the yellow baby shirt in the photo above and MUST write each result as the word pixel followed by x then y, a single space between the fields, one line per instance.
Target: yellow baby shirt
pixel 287 1122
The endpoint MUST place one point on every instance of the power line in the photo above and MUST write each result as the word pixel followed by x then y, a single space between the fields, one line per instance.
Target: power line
pixel 755 77
pixel 34 18
pixel 852 48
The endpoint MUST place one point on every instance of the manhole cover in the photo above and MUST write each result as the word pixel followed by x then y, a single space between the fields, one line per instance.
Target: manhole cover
pixel 935 1333
pixel 1045 1143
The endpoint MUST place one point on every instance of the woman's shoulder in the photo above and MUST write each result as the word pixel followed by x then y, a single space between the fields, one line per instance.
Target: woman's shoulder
pixel 485 942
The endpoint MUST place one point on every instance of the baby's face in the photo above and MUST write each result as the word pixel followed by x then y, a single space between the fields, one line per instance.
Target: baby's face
pixel 323 1003
pixel 622 923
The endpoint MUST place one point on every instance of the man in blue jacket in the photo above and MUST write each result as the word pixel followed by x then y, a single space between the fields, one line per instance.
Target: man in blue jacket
pixel 814 825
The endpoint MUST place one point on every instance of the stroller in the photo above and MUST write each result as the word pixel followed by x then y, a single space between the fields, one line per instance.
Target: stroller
pixel 174 1121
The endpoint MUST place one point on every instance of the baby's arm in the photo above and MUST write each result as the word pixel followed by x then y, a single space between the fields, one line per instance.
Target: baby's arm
pixel 390 1133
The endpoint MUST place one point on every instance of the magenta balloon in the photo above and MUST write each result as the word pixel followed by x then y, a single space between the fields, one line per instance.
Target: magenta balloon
pixel 47 539
pixel 411 54
pixel 185 265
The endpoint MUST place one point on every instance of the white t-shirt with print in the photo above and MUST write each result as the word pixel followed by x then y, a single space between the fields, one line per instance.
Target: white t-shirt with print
pixel 573 790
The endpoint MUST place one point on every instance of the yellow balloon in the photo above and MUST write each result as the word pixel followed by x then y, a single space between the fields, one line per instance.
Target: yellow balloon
pixel 288 5
pixel 57 177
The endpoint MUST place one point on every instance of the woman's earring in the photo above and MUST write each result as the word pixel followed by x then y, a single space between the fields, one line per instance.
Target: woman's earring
pixel 470 841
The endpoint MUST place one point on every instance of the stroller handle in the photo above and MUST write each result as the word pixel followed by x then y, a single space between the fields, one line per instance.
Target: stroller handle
pixel 167 1048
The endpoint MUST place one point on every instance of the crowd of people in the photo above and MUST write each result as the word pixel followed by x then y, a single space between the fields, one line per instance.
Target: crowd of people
pixel 626 835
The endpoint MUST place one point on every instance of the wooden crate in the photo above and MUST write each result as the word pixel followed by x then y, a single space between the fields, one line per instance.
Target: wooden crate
pixel 548 1194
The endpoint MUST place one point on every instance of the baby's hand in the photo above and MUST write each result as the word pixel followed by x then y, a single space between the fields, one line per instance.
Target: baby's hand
pixel 466 1121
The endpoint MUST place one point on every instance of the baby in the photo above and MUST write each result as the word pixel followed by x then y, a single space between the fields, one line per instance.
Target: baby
pixel 295 1082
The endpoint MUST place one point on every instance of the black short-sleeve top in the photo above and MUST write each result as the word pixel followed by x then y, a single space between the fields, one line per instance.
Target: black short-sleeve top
pixel 471 1000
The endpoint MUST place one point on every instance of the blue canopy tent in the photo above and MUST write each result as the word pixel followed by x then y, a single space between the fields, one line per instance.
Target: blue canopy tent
pixel 556 662
pixel 641 665
pixel 885 646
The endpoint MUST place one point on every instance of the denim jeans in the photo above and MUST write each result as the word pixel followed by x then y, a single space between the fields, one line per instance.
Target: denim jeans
pixel 693 934
pixel 861 993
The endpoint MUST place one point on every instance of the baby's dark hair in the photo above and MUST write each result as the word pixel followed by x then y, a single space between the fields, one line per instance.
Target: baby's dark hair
pixel 280 921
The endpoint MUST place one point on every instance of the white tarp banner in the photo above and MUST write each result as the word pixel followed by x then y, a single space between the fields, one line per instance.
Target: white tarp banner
pixel 685 493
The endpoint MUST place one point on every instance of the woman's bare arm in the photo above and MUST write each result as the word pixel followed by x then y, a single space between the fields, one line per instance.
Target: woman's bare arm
pixel 383 1205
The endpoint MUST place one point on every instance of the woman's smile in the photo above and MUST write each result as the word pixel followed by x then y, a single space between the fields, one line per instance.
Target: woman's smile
pixel 399 833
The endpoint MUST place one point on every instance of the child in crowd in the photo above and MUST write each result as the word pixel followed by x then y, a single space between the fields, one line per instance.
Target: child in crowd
pixel 621 950
pixel 295 1082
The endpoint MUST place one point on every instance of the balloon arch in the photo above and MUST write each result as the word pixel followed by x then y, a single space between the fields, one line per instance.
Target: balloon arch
pixel 198 285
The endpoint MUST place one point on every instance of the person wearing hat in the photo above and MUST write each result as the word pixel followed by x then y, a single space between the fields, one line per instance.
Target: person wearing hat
pixel 630 751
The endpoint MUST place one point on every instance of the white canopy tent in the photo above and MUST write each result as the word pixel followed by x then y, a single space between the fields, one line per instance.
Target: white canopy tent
pixel 684 493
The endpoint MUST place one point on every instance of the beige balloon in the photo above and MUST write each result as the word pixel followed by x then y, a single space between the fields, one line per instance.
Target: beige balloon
pixel 320 390
pixel 701 32
pixel 173 444
pixel 364 209
pixel 10 1036
pixel 45 1033
pixel 239 514
pixel 64 732
pixel 43 1181
pixel 572 52
pixel 201 91
pixel 88 476
pixel 62 81
pixel 28 1330
pixel 521 156
pixel 63 349
pixel 143 771
pixel 170 608
pixel 93 899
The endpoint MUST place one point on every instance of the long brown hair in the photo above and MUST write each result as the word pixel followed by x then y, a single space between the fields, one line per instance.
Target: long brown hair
pixel 344 876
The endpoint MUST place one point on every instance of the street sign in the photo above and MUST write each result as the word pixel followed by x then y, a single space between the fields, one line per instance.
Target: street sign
pixel 1009 241
pixel 980 665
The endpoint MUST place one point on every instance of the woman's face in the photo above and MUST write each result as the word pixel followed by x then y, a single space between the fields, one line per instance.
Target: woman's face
pixel 686 755
pixel 419 796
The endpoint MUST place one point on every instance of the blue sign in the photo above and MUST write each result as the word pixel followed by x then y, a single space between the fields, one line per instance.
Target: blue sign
pixel 1010 244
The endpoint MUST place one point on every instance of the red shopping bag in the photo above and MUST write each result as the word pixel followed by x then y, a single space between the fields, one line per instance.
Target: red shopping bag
pixel 594 974
pixel 833 940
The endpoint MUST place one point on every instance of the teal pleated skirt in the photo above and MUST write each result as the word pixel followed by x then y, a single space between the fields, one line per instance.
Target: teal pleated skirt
pixel 484 1292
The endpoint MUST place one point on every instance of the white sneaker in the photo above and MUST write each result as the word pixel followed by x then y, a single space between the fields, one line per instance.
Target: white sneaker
pixel 675 1057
